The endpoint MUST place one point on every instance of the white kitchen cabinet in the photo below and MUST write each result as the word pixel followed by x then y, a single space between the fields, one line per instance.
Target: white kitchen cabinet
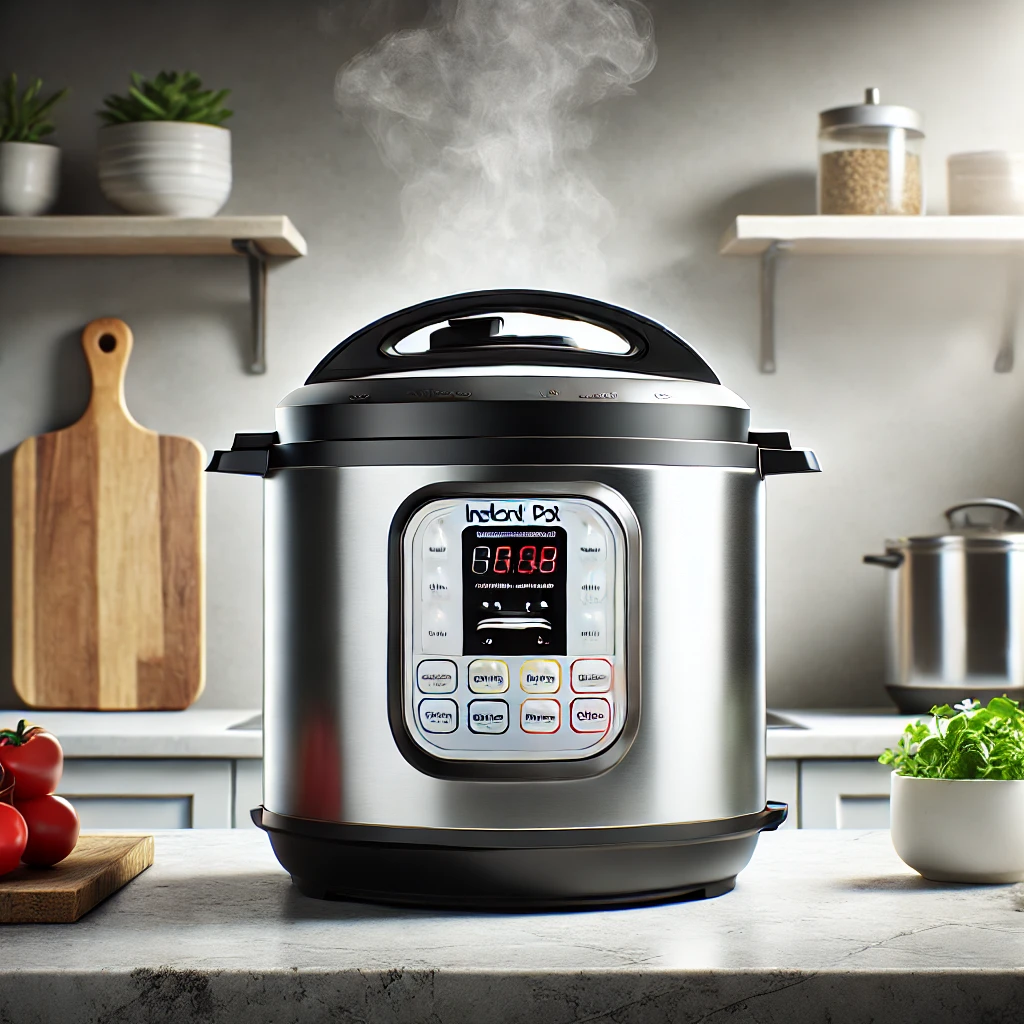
pixel 248 791
pixel 783 783
pixel 844 794
pixel 148 794
pixel 136 793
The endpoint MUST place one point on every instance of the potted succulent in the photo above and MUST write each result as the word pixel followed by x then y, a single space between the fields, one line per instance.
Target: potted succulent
pixel 957 811
pixel 163 148
pixel 29 168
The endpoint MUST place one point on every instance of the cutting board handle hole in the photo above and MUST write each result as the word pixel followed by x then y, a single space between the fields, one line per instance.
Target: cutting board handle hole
pixel 108 343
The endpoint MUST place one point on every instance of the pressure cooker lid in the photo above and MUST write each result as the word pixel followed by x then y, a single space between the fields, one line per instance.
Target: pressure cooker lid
pixel 978 524
pixel 467 330
pixel 513 363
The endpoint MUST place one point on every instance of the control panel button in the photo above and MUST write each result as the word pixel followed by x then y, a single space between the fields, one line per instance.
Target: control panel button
pixel 591 675
pixel 593 628
pixel 436 676
pixel 593 545
pixel 488 716
pixel 590 714
pixel 435 543
pixel 540 676
pixel 594 587
pixel 487 676
pixel 437 630
pixel 436 585
pixel 438 715
pixel 540 715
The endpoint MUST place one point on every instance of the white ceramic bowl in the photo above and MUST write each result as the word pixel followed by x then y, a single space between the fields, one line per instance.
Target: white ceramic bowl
pixel 959 830
pixel 29 177
pixel 166 168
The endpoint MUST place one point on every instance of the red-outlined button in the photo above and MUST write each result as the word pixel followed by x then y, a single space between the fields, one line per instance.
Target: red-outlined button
pixel 590 714
pixel 540 715
pixel 591 675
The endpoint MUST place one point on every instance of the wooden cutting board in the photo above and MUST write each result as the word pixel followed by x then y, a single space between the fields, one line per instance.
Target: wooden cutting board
pixel 108 577
pixel 97 867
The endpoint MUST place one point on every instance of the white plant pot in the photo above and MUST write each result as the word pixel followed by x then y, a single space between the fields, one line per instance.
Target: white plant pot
pixel 166 168
pixel 959 830
pixel 29 176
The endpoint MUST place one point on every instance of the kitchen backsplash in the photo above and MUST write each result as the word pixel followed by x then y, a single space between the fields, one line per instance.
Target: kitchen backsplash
pixel 885 365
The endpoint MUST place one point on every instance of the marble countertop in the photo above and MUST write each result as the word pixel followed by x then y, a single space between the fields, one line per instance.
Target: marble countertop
pixel 199 732
pixel 195 732
pixel 821 926
pixel 836 733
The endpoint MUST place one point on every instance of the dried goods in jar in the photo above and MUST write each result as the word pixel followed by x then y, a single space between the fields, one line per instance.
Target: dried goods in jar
pixel 864 181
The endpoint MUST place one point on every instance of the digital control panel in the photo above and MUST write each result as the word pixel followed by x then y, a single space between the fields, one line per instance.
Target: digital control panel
pixel 515 628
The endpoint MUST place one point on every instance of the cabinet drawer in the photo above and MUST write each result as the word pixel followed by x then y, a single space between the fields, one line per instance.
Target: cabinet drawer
pixel 145 794
pixel 844 794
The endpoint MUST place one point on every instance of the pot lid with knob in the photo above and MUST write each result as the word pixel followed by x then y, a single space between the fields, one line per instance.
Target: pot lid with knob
pixel 977 525
pixel 514 363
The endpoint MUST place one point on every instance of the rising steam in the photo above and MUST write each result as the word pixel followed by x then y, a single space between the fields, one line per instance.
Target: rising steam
pixel 483 114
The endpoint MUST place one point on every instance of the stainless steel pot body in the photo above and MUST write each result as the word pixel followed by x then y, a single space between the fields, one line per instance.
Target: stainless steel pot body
pixel 698 753
pixel 955 615
pixel 633 768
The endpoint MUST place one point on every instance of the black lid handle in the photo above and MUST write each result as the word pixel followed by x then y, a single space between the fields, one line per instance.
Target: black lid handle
pixel 776 455
pixel 249 455
pixel 653 348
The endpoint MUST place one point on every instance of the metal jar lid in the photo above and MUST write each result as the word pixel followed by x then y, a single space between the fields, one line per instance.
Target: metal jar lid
pixel 999 534
pixel 872 113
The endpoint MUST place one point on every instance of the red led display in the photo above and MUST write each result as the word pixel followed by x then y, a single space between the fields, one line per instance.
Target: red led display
pixel 524 563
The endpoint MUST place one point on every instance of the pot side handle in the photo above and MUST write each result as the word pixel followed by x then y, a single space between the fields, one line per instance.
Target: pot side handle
pixel 891 561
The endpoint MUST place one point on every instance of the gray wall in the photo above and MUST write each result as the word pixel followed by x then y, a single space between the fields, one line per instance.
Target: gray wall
pixel 885 365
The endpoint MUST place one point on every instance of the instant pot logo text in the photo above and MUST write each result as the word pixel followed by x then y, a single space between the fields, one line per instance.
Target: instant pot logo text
pixel 522 513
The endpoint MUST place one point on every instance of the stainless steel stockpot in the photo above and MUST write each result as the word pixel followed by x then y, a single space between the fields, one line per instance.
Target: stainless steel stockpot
pixel 956 608
pixel 514 607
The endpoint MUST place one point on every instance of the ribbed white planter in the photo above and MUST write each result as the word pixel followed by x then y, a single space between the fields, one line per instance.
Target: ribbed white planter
pixel 166 168
pixel 29 177
pixel 959 830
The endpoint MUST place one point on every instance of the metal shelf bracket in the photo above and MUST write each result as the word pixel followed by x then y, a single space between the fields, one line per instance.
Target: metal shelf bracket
pixel 257 260
pixel 1011 317
pixel 769 261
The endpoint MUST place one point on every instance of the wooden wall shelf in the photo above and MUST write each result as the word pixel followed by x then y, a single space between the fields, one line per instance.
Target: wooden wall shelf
pixel 769 237
pixel 256 238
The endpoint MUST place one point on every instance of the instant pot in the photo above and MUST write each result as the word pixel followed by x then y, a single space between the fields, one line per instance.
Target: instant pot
pixel 514 607
pixel 956 608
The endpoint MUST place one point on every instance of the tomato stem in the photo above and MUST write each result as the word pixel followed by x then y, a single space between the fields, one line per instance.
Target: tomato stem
pixel 18 737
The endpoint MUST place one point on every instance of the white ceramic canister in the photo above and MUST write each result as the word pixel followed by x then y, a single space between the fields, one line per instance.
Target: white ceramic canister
pixel 959 830
pixel 166 168
pixel 29 177
pixel 988 183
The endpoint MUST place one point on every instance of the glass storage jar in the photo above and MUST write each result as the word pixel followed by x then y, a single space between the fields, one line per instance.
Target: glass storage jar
pixel 869 159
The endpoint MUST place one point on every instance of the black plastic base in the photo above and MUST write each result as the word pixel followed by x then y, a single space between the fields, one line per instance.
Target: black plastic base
pixel 563 871
pixel 522 904
pixel 919 700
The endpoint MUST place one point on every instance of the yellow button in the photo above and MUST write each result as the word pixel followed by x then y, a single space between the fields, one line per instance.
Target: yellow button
pixel 540 676
pixel 488 676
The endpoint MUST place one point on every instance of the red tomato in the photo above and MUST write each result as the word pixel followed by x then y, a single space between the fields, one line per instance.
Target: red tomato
pixel 13 837
pixel 34 758
pixel 52 829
